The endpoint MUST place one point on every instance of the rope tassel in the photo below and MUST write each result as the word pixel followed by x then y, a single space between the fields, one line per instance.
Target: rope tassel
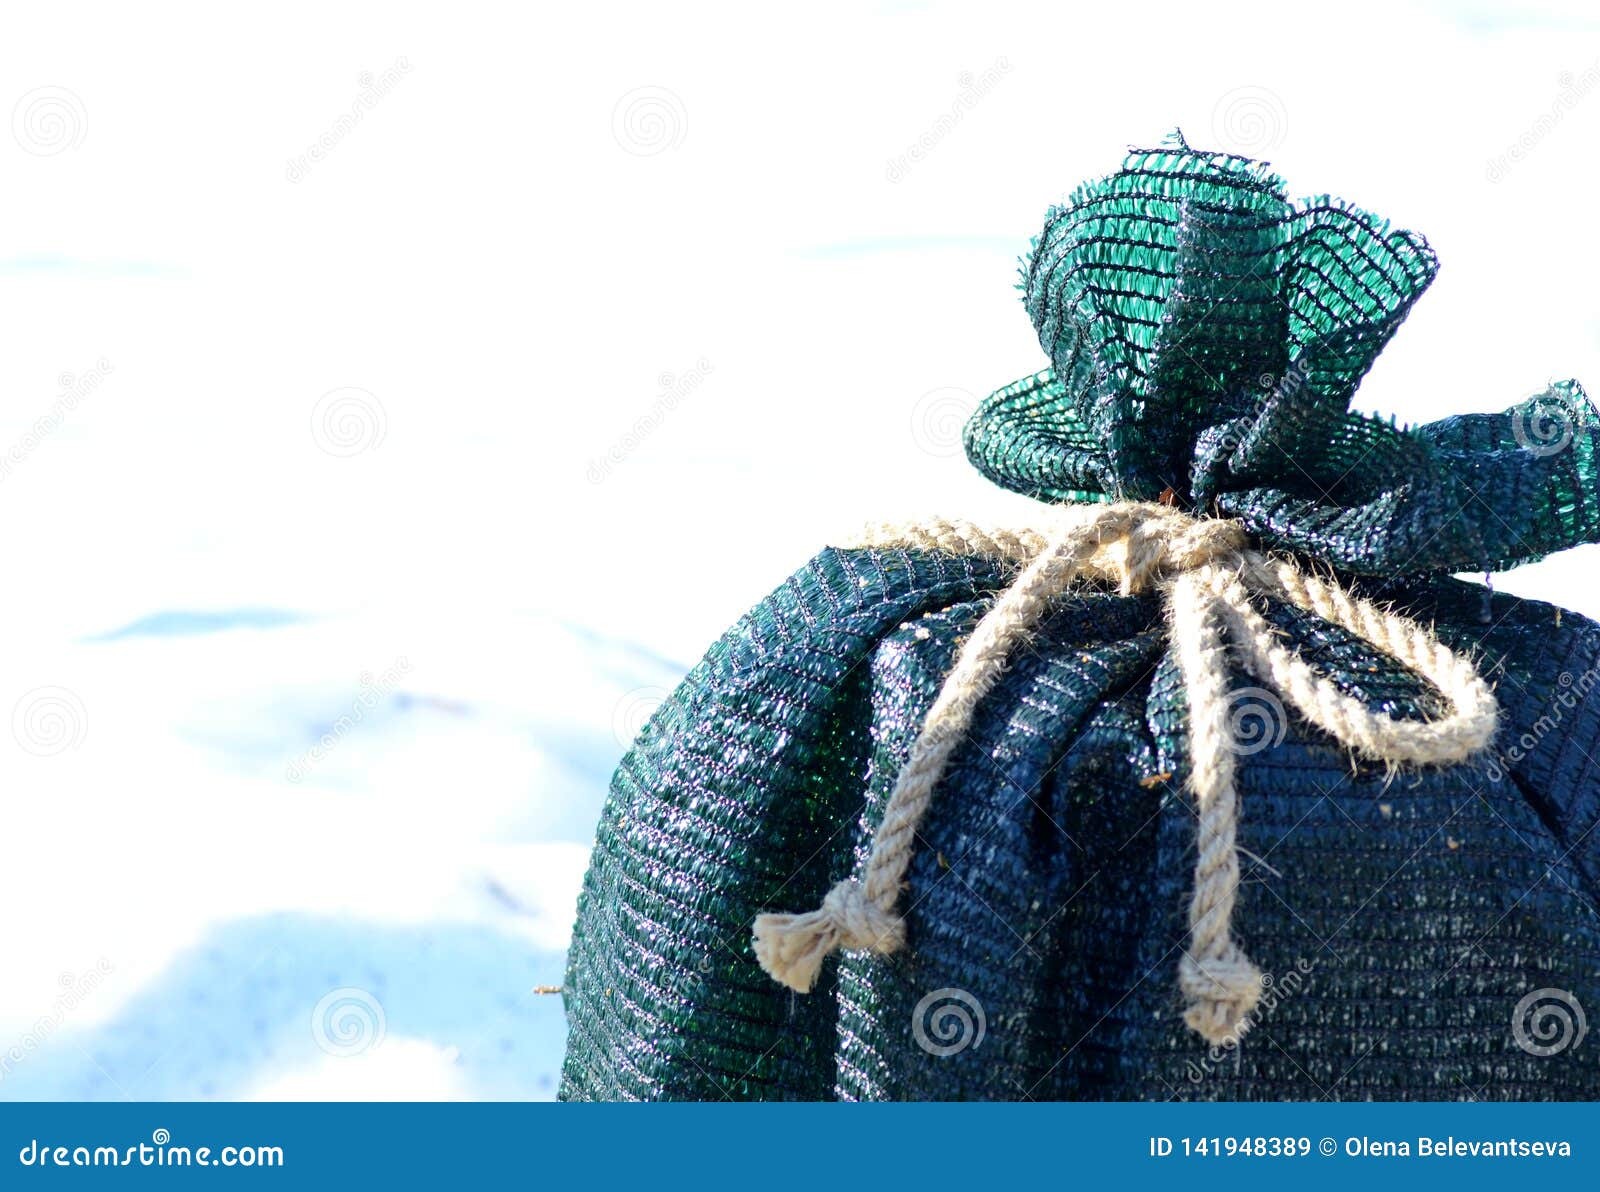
pixel 1208 573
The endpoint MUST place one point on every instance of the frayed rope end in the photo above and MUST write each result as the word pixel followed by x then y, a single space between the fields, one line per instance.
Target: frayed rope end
pixel 791 948
pixel 1222 994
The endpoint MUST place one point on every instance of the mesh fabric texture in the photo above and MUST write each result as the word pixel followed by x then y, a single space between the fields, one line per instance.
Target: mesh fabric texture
pixel 1206 337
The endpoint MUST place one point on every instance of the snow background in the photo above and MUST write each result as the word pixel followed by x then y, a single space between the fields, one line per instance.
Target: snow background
pixel 625 313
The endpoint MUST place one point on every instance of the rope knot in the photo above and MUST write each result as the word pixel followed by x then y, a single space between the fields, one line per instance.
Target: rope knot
pixel 1222 991
pixel 792 947
pixel 1209 574
pixel 1162 542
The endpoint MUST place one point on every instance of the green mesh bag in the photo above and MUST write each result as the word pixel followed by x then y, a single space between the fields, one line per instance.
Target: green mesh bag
pixel 1426 932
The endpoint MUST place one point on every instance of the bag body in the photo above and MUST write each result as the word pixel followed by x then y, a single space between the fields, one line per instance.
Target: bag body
pixel 1402 918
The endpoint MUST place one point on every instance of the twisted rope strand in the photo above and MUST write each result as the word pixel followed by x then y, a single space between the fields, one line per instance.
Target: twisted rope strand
pixel 1218 979
pixel 1208 574
pixel 862 914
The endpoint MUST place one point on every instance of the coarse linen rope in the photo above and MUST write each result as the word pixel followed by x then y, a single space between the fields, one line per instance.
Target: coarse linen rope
pixel 1208 573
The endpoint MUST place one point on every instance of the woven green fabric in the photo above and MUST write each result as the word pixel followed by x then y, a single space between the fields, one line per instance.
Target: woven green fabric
pixel 1206 336
pixel 1425 932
